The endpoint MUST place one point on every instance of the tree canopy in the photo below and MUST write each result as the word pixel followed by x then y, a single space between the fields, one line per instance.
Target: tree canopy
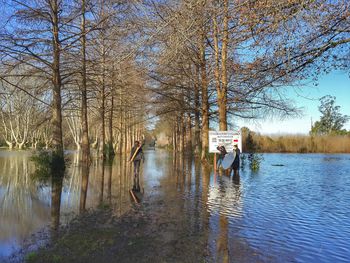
pixel 331 121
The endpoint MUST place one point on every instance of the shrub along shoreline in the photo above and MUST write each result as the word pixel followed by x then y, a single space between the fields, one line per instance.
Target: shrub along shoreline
pixel 300 143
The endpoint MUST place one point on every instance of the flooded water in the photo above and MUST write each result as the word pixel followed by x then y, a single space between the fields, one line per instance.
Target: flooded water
pixel 295 209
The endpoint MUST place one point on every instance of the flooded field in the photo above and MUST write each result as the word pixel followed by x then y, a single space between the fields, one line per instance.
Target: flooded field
pixel 294 209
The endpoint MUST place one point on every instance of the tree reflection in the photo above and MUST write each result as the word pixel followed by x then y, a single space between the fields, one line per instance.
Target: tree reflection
pixel 101 165
pixel 236 179
pixel 50 168
pixel 222 243
pixel 109 182
pixel 22 207
pixel 56 191
pixel 205 194
pixel 85 170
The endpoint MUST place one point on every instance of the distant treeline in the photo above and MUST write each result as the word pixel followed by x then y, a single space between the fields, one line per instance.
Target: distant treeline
pixel 300 143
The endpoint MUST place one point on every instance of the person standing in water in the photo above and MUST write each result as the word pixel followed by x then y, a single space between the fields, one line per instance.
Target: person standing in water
pixel 236 162
pixel 221 156
pixel 137 151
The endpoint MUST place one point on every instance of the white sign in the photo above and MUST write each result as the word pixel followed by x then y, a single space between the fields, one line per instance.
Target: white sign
pixel 225 138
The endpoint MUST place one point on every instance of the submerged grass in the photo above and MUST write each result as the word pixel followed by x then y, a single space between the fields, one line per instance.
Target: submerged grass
pixel 96 237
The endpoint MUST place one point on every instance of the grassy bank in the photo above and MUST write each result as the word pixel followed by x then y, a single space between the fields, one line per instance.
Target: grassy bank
pixel 302 144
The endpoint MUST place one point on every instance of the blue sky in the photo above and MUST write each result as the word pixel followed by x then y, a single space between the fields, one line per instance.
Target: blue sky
pixel 336 83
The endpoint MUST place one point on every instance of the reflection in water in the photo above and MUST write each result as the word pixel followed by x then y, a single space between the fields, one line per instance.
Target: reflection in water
pixel 21 207
pixel 101 169
pixel 26 206
pixel 56 190
pixel 276 215
pixel 205 194
pixel 222 243
pixel 223 249
pixel 85 170
pixel 109 182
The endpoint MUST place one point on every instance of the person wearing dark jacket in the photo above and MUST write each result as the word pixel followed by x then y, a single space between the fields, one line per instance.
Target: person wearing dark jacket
pixel 236 161
pixel 137 150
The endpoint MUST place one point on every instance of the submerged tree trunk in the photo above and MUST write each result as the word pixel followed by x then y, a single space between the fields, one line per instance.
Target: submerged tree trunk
pixel 85 143
pixel 57 140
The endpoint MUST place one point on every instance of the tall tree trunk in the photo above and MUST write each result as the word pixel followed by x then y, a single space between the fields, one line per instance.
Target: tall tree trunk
pixel 85 144
pixel 125 138
pixel 178 134
pixel 103 125
pixel 121 114
pixel 223 93
pixel 221 79
pixel 57 140
pixel 102 152
pixel 110 152
pixel 182 133
pixel 174 139
pixel 197 132
pixel 205 102
pixel 188 134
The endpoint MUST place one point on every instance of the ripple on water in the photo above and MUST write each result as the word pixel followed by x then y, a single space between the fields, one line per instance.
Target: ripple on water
pixel 299 211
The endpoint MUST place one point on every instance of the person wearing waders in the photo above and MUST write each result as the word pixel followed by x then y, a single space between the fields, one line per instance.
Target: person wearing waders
pixel 221 156
pixel 137 162
pixel 235 164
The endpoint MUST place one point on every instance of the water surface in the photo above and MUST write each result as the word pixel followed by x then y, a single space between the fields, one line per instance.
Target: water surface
pixel 294 209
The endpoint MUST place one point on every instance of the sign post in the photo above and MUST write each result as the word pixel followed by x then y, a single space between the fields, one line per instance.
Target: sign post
pixel 215 163
pixel 224 138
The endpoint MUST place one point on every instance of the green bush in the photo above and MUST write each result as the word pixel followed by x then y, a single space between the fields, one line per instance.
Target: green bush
pixel 47 165
pixel 254 161
pixel 31 257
